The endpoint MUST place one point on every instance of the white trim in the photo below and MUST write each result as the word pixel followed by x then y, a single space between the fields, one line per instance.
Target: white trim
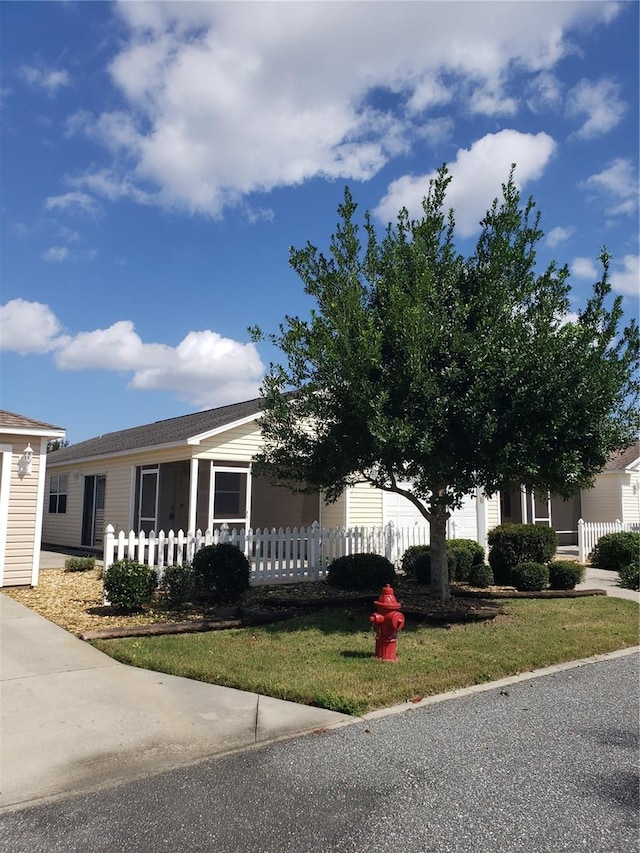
pixel 6 455
pixel 37 539
pixel 225 469
pixel 193 492
pixel 39 431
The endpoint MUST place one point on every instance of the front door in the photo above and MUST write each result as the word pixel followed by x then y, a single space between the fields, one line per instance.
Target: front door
pixel 148 500
pixel 93 510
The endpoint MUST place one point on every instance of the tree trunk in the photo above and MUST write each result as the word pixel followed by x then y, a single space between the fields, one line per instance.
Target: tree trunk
pixel 438 545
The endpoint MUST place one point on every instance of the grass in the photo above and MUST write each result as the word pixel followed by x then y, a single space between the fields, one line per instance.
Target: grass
pixel 326 659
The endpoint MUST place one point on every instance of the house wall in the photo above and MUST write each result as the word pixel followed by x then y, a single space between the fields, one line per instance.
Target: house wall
pixel 275 506
pixel 334 514
pixel 21 539
pixel 364 506
pixel 493 511
pixel 603 501
pixel 239 444
pixel 631 497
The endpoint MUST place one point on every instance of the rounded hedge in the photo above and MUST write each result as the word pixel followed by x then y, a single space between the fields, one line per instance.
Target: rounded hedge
pixel 512 544
pixel 129 585
pixel 565 574
pixel 462 556
pixel 530 577
pixel 416 563
pixel 360 571
pixel 481 576
pixel 178 584
pixel 630 575
pixel 221 571
pixel 614 551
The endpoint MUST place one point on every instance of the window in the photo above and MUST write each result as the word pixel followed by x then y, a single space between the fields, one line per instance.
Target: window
pixel 58 493
pixel 230 496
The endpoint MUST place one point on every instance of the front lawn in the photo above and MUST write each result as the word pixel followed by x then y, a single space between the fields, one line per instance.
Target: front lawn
pixel 326 659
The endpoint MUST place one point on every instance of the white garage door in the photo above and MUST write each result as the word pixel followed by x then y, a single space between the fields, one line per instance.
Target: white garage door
pixel 463 523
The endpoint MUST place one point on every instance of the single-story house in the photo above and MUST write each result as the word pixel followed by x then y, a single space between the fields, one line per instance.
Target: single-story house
pixel 615 496
pixel 23 457
pixel 194 473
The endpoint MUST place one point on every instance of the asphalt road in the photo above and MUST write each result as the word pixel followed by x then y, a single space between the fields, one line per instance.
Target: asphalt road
pixel 547 765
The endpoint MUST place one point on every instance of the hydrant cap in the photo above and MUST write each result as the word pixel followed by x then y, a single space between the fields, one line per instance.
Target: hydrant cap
pixel 387 600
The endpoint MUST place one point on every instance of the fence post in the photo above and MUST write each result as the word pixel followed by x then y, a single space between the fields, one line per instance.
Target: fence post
pixel 314 549
pixel 389 542
pixel 224 532
pixel 109 545
pixel 581 544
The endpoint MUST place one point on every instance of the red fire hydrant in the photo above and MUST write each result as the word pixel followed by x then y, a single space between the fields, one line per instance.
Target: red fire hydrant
pixel 388 621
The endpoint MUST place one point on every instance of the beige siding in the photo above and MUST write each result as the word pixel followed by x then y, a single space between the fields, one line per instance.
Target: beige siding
pixel 364 506
pixel 602 502
pixel 493 511
pixel 239 444
pixel 631 498
pixel 21 520
pixel 334 514
pixel 273 506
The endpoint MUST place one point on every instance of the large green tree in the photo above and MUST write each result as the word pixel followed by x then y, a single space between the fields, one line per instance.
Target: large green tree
pixel 420 365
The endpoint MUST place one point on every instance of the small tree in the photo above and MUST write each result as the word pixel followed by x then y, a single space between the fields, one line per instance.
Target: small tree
pixel 420 365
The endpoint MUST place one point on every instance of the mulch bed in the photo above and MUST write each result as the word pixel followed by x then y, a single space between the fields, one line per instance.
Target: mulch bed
pixel 73 600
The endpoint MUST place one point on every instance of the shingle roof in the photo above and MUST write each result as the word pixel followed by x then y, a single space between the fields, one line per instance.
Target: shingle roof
pixel 13 421
pixel 170 431
pixel 625 458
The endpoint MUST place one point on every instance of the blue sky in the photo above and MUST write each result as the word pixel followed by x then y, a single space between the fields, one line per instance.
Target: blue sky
pixel 159 159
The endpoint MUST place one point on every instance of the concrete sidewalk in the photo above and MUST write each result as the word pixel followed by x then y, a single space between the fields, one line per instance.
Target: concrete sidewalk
pixel 73 719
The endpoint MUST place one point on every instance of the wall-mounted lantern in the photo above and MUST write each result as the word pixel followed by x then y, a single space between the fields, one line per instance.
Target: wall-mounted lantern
pixel 24 463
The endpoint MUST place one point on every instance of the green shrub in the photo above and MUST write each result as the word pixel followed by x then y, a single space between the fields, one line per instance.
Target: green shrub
pixel 129 585
pixel 530 576
pixel 565 574
pixel 416 563
pixel 512 544
pixel 222 571
pixel 614 551
pixel 360 571
pixel 79 564
pixel 481 576
pixel 462 556
pixel 178 584
pixel 630 575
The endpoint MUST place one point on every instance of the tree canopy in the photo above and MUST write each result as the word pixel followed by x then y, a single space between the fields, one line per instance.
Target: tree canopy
pixel 453 373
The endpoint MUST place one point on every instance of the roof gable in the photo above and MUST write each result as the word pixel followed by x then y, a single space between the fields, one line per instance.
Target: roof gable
pixel 13 423
pixel 627 458
pixel 186 429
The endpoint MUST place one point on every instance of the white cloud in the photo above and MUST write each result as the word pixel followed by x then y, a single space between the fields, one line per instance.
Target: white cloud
pixel 618 184
pixel 205 369
pixel 627 280
pixel 45 78
pixel 72 200
pixel 28 327
pixel 558 235
pixel 55 255
pixel 478 173
pixel 544 92
pixel 585 268
pixel 226 99
pixel 600 103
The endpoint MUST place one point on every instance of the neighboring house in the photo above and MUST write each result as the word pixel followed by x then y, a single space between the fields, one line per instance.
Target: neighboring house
pixel 616 493
pixel 615 496
pixel 23 457
pixel 194 472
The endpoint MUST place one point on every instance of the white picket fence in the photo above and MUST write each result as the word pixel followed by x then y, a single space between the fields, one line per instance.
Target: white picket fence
pixel 590 531
pixel 275 555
